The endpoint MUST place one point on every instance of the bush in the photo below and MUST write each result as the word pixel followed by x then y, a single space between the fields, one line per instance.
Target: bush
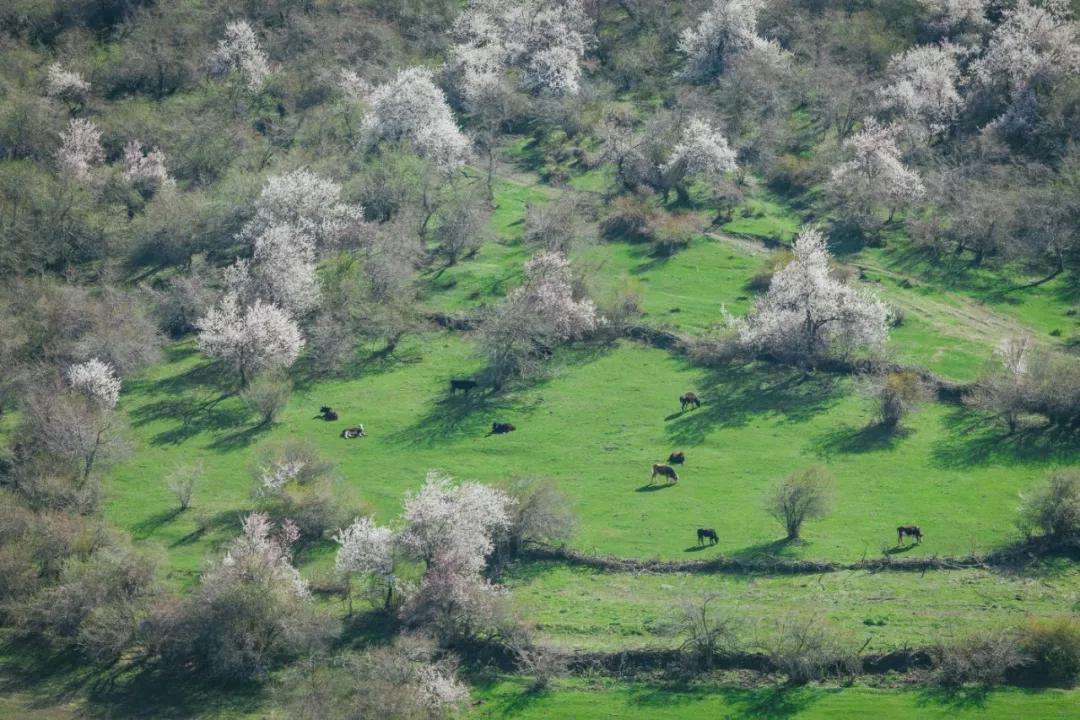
pixel 182 483
pixel 805 649
pixel 1053 648
pixel 541 515
pixel 895 395
pixel 670 233
pixel 266 396
pixel 630 219
pixel 1053 510
pixel 801 496
pixel 553 226
pixel 293 481
pixel 984 660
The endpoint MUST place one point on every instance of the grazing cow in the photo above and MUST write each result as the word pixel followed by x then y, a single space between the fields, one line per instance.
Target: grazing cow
pixel 911 530
pixel 328 413
pixel 676 458
pixel 498 428
pixel 463 385
pixel 689 399
pixel 709 534
pixel 664 471
pixel 353 432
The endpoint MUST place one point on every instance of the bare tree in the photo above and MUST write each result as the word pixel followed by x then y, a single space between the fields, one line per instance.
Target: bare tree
pixel 803 495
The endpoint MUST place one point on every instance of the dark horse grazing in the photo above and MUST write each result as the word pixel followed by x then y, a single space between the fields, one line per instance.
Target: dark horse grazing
pixel 498 428
pixel 689 399
pixel 911 530
pixel 709 534
pixel 676 458
pixel 353 432
pixel 327 413
pixel 463 385
pixel 664 471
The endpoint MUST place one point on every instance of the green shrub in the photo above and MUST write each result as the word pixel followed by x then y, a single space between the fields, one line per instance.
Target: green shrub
pixel 1053 646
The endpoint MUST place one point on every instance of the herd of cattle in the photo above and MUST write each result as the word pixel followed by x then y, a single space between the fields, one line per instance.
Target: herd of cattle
pixel 658 469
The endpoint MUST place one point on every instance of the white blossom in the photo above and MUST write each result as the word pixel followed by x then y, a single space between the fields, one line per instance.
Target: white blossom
pixel 725 30
pixel 439 691
pixel 147 170
pixel 922 86
pixel 410 107
pixel 366 549
pixel 306 201
pixel 453 526
pixel 283 268
pixel 544 40
pixel 702 151
pixel 66 85
pixel 548 296
pixel 96 380
pixel 353 86
pixel 951 14
pixel 874 174
pixel 807 313
pixel 278 474
pixel 239 51
pixel 253 338
pixel 1032 44
pixel 80 149
pixel 260 553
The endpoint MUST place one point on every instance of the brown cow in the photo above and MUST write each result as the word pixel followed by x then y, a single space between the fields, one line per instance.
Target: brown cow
pixel 689 399
pixel 664 471
pixel 911 530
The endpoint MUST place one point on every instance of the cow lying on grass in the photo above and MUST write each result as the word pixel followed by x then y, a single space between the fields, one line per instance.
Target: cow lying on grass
pixel 353 432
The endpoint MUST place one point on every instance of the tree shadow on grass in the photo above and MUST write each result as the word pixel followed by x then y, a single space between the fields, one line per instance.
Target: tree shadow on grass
pixel 848 440
pixel 734 396
pixel 239 438
pixel 783 548
pixel 971 440
pixel 963 698
pixel 741 703
pixel 145 528
pixel 450 417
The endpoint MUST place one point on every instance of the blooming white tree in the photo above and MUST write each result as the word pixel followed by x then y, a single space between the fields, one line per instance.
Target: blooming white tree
pixel 543 312
pixel 807 314
pixel 262 551
pixel 367 550
pixel 239 51
pixel 544 40
pixel 306 201
pixel 410 107
pixel 66 85
pixel 874 176
pixel 1033 44
pixel 257 337
pixel 948 15
pixel 283 269
pixel 725 30
pixel 701 152
pixel 80 149
pixel 453 525
pixel 145 170
pixel 923 84
pixel 96 380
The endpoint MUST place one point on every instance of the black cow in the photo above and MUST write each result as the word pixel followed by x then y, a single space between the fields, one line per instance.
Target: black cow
pixel 327 413
pixel 676 458
pixel 911 530
pixel 498 428
pixel 463 385
pixel 709 534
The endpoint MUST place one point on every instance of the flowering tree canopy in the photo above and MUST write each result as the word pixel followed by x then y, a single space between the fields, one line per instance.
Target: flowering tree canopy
pixel 306 201
pixel 239 51
pixel 1033 44
pixel 80 149
pixel 951 14
pixel 725 30
pixel 253 338
pixel 96 380
pixel 366 549
pixel 544 40
pixel 410 107
pixel 702 151
pixel 283 268
pixel 65 85
pixel 145 170
pixel 453 525
pixel 807 313
pixel 874 175
pixel 922 86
